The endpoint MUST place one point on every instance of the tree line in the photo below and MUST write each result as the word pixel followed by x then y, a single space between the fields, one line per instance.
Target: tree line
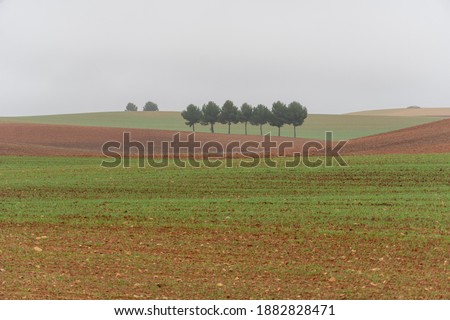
pixel 149 106
pixel 281 114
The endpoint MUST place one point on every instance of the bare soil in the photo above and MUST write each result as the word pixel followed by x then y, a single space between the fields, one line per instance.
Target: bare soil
pixel 432 137
pixel 65 140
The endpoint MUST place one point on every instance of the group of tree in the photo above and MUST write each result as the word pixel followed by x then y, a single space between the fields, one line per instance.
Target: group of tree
pixel 149 106
pixel 281 114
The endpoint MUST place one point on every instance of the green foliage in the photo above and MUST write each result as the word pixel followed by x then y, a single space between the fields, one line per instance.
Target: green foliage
pixel 192 115
pixel 260 116
pixel 279 116
pixel 210 114
pixel 245 114
pixel 229 114
pixel 296 114
pixel 131 107
pixel 151 106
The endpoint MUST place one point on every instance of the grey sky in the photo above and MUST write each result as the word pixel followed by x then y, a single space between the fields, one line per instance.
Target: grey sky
pixel 333 56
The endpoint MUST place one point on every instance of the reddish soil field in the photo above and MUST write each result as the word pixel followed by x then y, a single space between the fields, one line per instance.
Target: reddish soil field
pixel 432 137
pixel 64 140
pixel 127 265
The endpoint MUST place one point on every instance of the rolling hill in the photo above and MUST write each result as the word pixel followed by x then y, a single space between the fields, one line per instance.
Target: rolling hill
pixel 427 138
pixel 67 140
pixel 343 126
pixel 406 112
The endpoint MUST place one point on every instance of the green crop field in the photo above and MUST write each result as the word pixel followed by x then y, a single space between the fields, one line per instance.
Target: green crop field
pixel 343 126
pixel 377 229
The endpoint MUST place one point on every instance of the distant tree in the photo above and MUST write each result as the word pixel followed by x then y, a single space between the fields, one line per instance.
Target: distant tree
pixel 260 116
pixel 192 115
pixel 296 115
pixel 210 114
pixel 229 114
pixel 279 116
pixel 151 106
pixel 131 107
pixel 245 114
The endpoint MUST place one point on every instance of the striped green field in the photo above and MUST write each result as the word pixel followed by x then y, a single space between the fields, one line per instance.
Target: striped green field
pixel 343 126
pixel 377 229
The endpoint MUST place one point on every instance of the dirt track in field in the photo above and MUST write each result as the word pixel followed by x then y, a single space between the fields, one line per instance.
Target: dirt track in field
pixel 65 140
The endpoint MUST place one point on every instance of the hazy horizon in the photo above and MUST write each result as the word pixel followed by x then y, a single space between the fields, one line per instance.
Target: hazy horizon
pixel 60 57
pixel 179 111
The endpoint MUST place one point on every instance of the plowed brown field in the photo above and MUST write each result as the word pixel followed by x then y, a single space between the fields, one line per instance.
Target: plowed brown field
pixel 65 140
pixel 432 137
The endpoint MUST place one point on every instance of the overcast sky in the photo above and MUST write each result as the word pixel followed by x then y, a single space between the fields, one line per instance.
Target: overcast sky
pixel 333 56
